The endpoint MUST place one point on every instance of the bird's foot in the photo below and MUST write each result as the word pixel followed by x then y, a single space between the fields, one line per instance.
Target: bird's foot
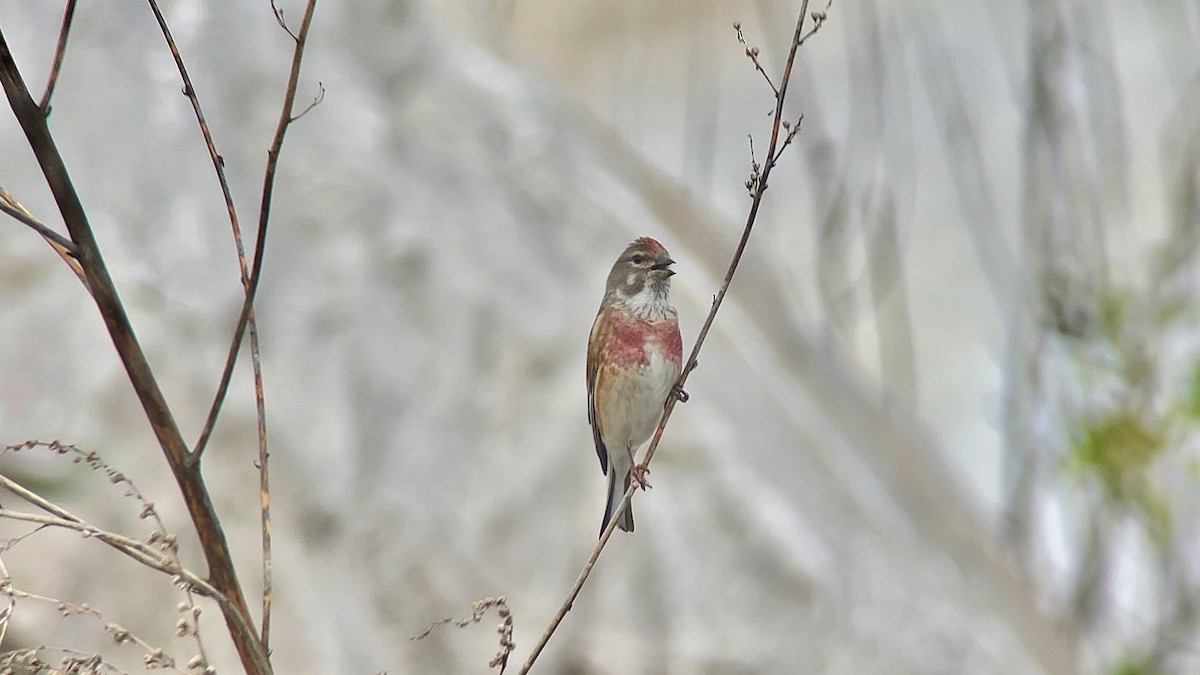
pixel 679 394
pixel 637 475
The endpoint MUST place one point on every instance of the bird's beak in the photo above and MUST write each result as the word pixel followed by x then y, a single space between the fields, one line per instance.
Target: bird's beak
pixel 663 264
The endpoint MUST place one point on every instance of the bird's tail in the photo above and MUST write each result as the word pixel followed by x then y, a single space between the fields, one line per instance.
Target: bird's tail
pixel 616 470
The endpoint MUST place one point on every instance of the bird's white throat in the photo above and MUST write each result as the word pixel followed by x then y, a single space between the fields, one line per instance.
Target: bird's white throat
pixel 652 302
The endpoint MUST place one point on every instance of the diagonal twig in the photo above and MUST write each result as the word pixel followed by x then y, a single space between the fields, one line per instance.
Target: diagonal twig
pixel 252 325
pixel 167 543
pixel 758 188
pixel 218 162
pixel 14 208
pixel 154 656
pixel 285 120
pixel 752 54
pixel 313 103
pixel 286 117
pixel 65 248
pixel 219 166
pixel 278 12
pixel 131 548
pixel 60 51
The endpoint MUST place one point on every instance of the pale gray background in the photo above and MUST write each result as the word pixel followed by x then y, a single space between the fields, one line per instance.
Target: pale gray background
pixel 972 176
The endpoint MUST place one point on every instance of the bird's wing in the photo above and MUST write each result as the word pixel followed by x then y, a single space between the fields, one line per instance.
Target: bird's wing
pixel 600 331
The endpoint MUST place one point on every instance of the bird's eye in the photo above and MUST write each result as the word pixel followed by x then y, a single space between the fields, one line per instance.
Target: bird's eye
pixel 638 259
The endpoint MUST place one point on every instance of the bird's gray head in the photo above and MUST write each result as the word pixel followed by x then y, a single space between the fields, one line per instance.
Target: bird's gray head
pixel 642 274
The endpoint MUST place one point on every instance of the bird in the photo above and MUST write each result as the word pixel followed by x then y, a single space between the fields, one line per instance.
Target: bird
pixel 633 362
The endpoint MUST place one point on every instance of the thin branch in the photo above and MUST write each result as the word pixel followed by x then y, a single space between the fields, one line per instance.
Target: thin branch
pixel 312 104
pixel 36 660
pixel 150 395
pixel 286 117
pixel 278 12
pixel 256 361
pixel 7 613
pixel 131 548
pixel 162 559
pixel 218 163
pixel 146 511
pixel 140 552
pixel 64 247
pixel 155 658
pixel 505 629
pixel 760 187
pixel 285 120
pixel 14 208
pixel 792 129
pixel 818 17
pixel 60 51
pixel 752 53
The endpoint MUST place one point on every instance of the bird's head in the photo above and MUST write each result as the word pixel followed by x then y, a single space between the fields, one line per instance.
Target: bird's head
pixel 644 266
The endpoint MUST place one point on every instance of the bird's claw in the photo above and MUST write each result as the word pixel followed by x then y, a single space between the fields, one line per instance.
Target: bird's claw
pixel 637 476
pixel 679 394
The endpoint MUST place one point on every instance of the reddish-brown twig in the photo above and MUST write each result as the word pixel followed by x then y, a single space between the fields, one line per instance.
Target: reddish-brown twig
pixel 251 324
pixel 191 484
pixel 286 118
pixel 60 51
pixel 219 166
pixel 758 188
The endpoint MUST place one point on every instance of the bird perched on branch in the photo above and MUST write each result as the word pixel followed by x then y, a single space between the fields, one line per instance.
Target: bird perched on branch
pixel 633 361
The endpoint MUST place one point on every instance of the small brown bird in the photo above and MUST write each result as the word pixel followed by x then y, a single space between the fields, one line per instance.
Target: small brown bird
pixel 634 357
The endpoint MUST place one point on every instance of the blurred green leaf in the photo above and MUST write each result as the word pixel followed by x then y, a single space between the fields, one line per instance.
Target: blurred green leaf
pixel 1117 449
pixel 1113 310
pixel 1158 515
pixel 1192 406
pixel 1125 667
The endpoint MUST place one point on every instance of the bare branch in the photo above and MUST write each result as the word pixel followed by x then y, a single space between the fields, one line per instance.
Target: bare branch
pixel 818 17
pixel 7 613
pixel 146 511
pixel 64 247
pixel 161 559
pixel 278 12
pixel 14 208
pixel 759 181
pixel 246 320
pixel 155 657
pixel 505 629
pixel 116 320
pixel 219 166
pixel 256 361
pixel 59 52
pixel 286 117
pixel 752 54
pixel 285 120
pixel 315 102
